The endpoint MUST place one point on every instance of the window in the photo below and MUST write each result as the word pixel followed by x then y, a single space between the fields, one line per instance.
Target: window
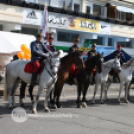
pixel 129 16
pixel 88 10
pixel 125 44
pixel 42 2
pixel 76 7
pixel 68 4
pixel 122 16
pixel 61 3
pixel 0 27
pixel 96 10
pixel 104 11
pixel 66 36
pixel 32 1
pixel 110 42
pixel 96 41
pixel 29 31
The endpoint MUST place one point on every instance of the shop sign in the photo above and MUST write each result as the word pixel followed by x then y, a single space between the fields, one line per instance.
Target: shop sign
pixel 105 28
pixel 85 25
pixel 57 20
pixel 31 16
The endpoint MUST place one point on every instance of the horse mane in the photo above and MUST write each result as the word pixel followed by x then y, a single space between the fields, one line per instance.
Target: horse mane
pixel 128 64
pixel 90 60
pixel 70 54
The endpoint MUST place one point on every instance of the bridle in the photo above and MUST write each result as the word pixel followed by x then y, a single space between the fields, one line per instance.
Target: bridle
pixel 114 63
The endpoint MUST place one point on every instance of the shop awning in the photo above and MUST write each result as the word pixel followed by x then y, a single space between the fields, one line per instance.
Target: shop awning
pixel 10 42
pixel 125 9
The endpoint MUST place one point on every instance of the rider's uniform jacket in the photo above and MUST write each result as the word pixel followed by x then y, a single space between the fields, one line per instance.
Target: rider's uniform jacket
pixel 37 50
pixel 91 53
pixel 120 56
pixel 73 48
pixel 52 48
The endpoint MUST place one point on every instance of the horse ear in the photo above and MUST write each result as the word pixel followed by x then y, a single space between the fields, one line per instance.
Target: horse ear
pixel 102 54
pixel 60 53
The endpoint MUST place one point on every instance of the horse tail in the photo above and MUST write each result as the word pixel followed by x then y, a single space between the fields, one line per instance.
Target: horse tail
pixel 5 87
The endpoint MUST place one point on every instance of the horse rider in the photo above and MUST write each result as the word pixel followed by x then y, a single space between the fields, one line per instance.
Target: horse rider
pixel 38 51
pixel 73 69
pixel 91 54
pixel 120 55
pixel 51 46
pixel 75 46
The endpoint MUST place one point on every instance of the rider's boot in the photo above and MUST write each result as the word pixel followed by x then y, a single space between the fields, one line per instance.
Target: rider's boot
pixel 34 78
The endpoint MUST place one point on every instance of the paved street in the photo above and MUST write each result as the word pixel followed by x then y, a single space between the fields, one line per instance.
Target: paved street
pixel 108 118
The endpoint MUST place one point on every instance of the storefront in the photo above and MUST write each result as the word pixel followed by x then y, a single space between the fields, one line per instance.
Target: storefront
pixel 66 28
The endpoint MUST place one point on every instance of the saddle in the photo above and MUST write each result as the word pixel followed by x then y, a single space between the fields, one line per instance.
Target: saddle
pixel 29 68
pixel 74 71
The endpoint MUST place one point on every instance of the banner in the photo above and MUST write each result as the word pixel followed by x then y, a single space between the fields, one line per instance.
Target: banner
pixel 44 25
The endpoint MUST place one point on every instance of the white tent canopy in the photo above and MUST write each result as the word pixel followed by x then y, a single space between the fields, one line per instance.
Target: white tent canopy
pixel 10 42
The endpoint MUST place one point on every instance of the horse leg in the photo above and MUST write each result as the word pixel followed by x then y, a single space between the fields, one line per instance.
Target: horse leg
pixel 126 92
pixel 79 90
pixel 37 98
pixel 102 89
pixel 95 90
pixel 10 85
pixel 121 86
pixel 59 94
pixel 22 92
pixel 31 93
pixel 129 87
pixel 47 97
pixel 13 91
pixel 84 95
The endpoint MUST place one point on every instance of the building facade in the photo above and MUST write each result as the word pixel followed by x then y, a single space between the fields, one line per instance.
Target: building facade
pixel 106 23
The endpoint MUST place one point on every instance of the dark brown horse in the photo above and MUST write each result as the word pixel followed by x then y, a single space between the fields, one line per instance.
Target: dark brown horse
pixel 63 73
pixel 83 79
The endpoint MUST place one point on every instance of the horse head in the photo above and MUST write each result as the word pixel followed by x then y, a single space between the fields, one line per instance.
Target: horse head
pixel 55 61
pixel 97 61
pixel 116 65
pixel 77 59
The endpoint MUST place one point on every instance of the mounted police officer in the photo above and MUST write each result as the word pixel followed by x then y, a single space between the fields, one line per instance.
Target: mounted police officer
pixel 73 67
pixel 91 54
pixel 119 55
pixel 51 46
pixel 75 46
pixel 38 51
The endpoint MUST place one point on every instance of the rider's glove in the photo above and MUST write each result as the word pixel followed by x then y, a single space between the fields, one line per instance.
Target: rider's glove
pixel 46 55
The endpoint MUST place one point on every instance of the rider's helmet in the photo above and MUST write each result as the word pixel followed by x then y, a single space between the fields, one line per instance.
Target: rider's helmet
pixel 51 36
pixel 39 35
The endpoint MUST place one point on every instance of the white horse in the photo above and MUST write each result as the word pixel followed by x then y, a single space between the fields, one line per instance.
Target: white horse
pixel 101 78
pixel 15 73
pixel 125 78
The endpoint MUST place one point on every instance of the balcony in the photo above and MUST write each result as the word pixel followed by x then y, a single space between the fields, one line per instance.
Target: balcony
pixel 67 11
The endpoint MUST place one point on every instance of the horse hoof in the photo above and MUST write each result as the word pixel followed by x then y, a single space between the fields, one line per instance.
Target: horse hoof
pixel 54 106
pixel 84 104
pixel 93 102
pixel 47 110
pixel 34 111
pixel 119 102
pixel 59 105
pixel 127 101
pixel 79 106
pixel 102 102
